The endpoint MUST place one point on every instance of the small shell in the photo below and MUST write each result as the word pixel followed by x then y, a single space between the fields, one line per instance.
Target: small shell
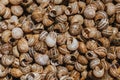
pixel 76 19
pixel 2 9
pixel 101 15
pixel 17 10
pixel 50 68
pixel 3 25
pixel 37 68
pixel 91 55
pixel 89 12
pixel 7 60
pixel 5 2
pixel 102 24
pixel 82 6
pixel 72 43
pixel 61 27
pixel 104 42
pixel 61 39
pixel 51 39
pixel 43 3
pixel 15 1
pixel 3 71
pixel 6 35
pixel 68 59
pixel 6 48
pixel 73 7
pixel 41 59
pixel 97 72
pixel 17 33
pixel 95 62
pixel 53 53
pixel 110 8
pixel 15 72
pixel 99 4
pixel 82 47
pixel 63 49
pixel 82 60
pixel 75 29
pixel 25 69
pixel 40 46
pixel 23 45
pixel 43 35
pixel 101 51
pixel 16 63
pixel 75 74
pixel 37 14
pixel 108 31
pixel 62 71
pixel 7 13
pixel 27 2
pixel 25 59
pixel 31 8
pixel 62 18
pixel 91 45
pixel 47 21
pixel 51 76
pixel 27 26
pixel 89 22
pixel 80 67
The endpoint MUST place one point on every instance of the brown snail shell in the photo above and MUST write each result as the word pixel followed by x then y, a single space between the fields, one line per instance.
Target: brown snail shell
pixel 82 47
pixel 5 2
pixel 6 35
pixel 110 8
pixel 23 45
pixel 7 60
pixel 2 9
pixel 17 33
pixel 16 72
pixel 17 10
pixel 6 48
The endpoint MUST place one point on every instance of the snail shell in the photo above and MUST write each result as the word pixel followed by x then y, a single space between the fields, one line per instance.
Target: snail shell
pixel 110 8
pixel 2 9
pixel 94 63
pixel 23 45
pixel 7 13
pixel 17 33
pixel 101 51
pixel 63 49
pixel 43 35
pixel 6 35
pixel 91 55
pixel 82 60
pixel 82 47
pixel 91 45
pixel 97 72
pixel 6 48
pixel 72 43
pixel 61 39
pixel 3 71
pixel 80 67
pixel 16 72
pixel 7 60
pixel 41 59
pixel 62 71
pixel 51 39
pixel 5 2
pixel 36 68
pixel 17 10
pixel 15 2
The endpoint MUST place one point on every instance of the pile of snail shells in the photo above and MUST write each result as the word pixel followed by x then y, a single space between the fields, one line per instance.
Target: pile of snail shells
pixel 59 39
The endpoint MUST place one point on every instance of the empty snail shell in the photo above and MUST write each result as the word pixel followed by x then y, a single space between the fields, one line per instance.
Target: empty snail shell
pixel 82 47
pixel 36 68
pixel 94 63
pixel 23 45
pixel 110 8
pixel 5 2
pixel 41 59
pixel 90 12
pixel 91 45
pixel 3 71
pixel 16 72
pixel 51 39
pixel 2 9
pixel 97 72
pixel 6 35
pixel 82 60
pixel 7 60
pixel 7 13
pixel 17 33
pixel 75 29
pixel 72 43
pixel 80 67
pixel 17 10
pixel 63 49
pixel 91 55
pixel 6 48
